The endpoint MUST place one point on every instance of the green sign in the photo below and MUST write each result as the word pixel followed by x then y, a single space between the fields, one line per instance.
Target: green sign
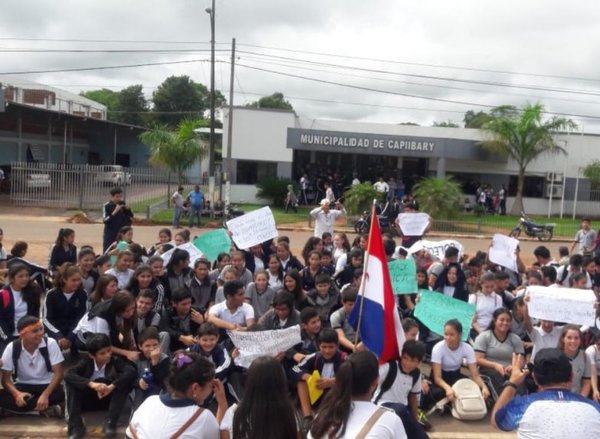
pixel 213 243
pixel 435 309
pixel 403 273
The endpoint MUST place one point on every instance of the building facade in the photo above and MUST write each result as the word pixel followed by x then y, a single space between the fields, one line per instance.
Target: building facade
pixel 268 142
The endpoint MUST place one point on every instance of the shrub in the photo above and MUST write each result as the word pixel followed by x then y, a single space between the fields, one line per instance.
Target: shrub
pixel 439 197
pixel 274 190
pixel 359 198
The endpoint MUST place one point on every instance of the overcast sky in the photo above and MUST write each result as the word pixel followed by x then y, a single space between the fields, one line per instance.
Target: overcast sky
pixel 541 45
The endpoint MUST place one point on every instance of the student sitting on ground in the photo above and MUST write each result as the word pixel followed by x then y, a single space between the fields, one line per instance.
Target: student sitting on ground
pixel 259 294
pixel 122 269
pixel 207 345
pixel 65 305
pixel 152 367
pixel 326 361
pixel 98 382
pixel 325 298
pixel 400 387
pixel 339 321
pixel 486 301
pixel 145 316
pixel 310 329
pixel 234 313
pixel 180 322
pixel 32 371
pixel 282 315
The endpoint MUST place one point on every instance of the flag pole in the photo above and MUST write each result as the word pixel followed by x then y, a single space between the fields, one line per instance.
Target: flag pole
pixel 361 291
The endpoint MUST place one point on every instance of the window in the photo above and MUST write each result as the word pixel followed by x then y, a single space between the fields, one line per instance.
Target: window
pixel 251 172
pixel 533 187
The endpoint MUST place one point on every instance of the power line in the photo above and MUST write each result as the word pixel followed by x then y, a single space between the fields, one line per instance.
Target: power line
pixel 437 78
pixel 474 69
pixel 123 66
pixel 28 50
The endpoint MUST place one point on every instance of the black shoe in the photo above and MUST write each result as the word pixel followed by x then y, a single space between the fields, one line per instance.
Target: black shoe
pixel 109 429
pixel 77 433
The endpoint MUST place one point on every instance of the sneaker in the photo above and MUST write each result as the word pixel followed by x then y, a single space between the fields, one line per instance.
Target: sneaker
pixel 53 411
pixel 422 419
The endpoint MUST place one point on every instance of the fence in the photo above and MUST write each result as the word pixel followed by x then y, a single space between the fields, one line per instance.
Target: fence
pixel 86 187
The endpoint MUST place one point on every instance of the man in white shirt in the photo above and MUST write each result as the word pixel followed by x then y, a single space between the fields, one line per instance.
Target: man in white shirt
pixel 381 186
pixel 584 238
pixel 325 217
pixel 234 313
pixel 32 371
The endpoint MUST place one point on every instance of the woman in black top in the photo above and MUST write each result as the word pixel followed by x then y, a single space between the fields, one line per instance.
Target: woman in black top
pixel 63 249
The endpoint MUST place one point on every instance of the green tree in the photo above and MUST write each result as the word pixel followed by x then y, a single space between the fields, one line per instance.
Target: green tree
pixel 439 197
pixel 276 100
pixel 182 98
pixel 176 150
pixel 106 97
pixel 359 197
pixel 445 124
pixel 592 172
pixel 476 120
pixel 409 123
pixel 131 105
pixel 523 136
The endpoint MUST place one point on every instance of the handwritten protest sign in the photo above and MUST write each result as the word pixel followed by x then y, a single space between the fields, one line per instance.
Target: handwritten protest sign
pixel 503 251
pixel 413 224
pixel 435 309
pixel 253 228
pixel 567 305
pixel 436 248
pixel 193 251
pixel 213 243
pixel 403 273
pixel 257 343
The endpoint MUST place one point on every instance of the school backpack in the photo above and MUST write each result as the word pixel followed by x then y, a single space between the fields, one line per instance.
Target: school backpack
pixel 391 377
pixel 16 353
pixel 468 404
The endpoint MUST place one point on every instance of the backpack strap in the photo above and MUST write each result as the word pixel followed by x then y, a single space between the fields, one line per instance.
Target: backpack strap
pixel 389 379
pixel 564 274
pixel 187 425
pixel 378 413
pixel 18 349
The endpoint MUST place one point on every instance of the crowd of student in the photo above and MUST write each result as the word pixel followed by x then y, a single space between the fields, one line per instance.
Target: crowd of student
pixel 153 337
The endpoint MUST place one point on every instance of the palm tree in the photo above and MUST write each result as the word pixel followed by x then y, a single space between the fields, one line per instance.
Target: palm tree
pixel 523 136
pixel 439 197
pixel 175 150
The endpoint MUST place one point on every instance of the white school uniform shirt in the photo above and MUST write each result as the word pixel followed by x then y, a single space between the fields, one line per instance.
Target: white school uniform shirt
pixel 400 388
pixel 20 308
pixel 150 426
pixel 32 367
pixel 238 317
pixel 451 360
pixel 388 426
pixel 123 277
pixel 485 307
pixel 543 340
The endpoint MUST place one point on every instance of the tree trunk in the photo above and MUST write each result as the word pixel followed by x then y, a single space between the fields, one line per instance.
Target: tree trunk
pixel 517 206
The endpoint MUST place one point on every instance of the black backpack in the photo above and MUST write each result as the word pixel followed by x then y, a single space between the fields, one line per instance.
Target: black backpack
pixel 16 353
pixel 391 377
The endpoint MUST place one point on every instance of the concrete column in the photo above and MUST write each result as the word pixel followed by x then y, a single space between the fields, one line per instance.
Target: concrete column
pixel 441 168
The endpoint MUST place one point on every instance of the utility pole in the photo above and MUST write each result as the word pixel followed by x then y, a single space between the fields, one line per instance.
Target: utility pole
pixel 211 148
pixel 230 124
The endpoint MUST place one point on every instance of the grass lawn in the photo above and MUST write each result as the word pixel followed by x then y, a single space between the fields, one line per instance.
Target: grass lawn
pixel 140 206
pixel 166 216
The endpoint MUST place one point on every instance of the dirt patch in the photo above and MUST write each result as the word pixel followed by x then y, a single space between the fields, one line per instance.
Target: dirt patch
pixel 80 218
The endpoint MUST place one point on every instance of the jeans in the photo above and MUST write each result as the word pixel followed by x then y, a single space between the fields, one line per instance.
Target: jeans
pixel 177 216
pixel 195 211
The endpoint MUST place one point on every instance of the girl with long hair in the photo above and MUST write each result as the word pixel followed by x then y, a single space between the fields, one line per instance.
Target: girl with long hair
pixel 142 279
pixel 63 250
pixel 570 343
pixel 265 411
pixel 85 261
pixel 292 283
pixel 347 410
pixel 275 272
pixel 105 289
pixel 191 381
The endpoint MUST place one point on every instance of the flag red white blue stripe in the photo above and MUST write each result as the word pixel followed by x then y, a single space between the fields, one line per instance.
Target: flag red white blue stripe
pixel 378 321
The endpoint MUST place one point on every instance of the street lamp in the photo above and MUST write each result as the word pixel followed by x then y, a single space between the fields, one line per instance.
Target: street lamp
pixel 211 148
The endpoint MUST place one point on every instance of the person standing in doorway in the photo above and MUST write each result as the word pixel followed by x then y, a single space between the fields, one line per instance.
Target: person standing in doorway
pixel 177 199
pixel 115 214
pixel 196 200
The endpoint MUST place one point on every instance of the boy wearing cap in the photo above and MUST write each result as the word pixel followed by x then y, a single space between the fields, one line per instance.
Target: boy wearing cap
pixel 32 371
pixel 325 216
pixel 554 411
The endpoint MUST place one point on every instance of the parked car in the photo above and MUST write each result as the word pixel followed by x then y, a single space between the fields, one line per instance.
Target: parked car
pixel 114 175
pixel 31 180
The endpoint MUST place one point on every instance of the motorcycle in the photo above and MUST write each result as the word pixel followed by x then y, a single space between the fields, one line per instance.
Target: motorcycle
pixel 543 232
pixel 231 211
pixel 363 224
